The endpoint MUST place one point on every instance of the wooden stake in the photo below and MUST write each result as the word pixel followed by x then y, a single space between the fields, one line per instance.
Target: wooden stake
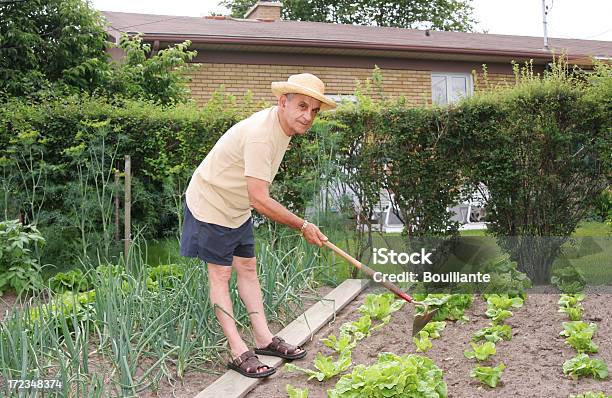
pixel 128 209
pixel 117 237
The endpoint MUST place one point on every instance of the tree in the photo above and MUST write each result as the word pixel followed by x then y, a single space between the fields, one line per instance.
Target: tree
pixel 56 47
pixel 450 15
pixel 157 77
pixel 45 41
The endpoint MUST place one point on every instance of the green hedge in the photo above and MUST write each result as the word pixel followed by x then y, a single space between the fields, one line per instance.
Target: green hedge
pixel 43 147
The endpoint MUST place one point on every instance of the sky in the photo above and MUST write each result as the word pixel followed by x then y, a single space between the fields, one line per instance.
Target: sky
pixel 574 19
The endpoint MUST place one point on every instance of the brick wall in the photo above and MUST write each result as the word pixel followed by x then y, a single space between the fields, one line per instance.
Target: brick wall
pixel 494 80
pixel 415 85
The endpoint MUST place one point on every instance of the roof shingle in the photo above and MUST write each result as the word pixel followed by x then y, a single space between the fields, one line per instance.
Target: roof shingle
pixel 203 30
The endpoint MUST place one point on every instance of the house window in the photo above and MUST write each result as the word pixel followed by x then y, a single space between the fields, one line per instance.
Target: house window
pixel 447 88
pixel 342 97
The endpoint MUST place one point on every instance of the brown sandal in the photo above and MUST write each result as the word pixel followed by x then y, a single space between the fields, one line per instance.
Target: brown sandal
pixel 279 348
pixel 248 364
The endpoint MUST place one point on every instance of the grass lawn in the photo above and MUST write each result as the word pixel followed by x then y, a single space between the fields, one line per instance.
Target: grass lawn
pixel 587 228
pixel 590 251
pixel 164 251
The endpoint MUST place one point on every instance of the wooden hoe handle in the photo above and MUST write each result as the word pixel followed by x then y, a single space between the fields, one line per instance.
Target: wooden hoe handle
pixel 369 271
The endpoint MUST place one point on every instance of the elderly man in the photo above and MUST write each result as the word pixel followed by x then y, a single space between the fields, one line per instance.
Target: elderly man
pixel 233 178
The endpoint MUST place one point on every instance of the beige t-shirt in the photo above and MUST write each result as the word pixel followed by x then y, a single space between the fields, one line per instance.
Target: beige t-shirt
pixel 254 147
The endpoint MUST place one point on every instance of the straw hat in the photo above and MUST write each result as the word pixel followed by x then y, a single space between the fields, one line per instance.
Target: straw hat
pixel 307 84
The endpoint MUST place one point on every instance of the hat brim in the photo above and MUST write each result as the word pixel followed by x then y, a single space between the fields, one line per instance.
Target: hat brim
pixel 280 88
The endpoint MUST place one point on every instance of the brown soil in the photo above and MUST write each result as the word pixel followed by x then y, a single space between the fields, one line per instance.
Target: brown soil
pixel 533 358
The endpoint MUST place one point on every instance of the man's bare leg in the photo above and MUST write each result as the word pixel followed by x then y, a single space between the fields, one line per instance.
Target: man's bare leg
pixel 218 279
pixel 250 293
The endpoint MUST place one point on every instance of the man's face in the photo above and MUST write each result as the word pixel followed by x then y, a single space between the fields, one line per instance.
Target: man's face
pixel 297 112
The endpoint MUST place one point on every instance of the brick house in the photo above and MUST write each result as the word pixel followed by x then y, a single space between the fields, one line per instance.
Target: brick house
pixel 424 66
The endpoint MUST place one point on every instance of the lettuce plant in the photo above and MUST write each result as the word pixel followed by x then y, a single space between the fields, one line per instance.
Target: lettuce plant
pixel 494 333
pixel 422 342
pixel 381 306
pixel 570 300
pixel 326 366
pixel 296 392
pixel 504 302
pixel 591 394
pixel 568 279
pixel 345 342
pixel 430 331
pixel 433 329
pixel 72 280
pixel 582 365
pixel 393 376
pixel 581 342
pixel 498 315
pixel 449 306
pixel 488 375
pixel 481 352
pixel 573 313
pixel 360 329
pixel 573 327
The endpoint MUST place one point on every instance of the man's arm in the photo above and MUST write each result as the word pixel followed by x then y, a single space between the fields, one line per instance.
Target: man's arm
pixel 260 200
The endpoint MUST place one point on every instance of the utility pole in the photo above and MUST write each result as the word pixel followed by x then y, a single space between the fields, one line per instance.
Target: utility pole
pixel 545 14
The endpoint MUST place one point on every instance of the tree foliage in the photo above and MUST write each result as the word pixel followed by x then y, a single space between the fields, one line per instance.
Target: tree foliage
pixel 45 41
pixel 142 75
pixel 57 47
pixel 449 15
pixel 542 149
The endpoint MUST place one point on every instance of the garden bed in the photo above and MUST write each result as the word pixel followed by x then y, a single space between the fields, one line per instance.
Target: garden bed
pixel 195 381
pixel 533 358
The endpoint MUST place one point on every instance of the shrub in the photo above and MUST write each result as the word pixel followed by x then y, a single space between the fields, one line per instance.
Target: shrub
pixel 19 267
pixel 542 149
pixel 568 279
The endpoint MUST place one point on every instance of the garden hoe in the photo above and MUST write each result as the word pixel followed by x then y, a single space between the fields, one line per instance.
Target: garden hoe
pixel 420 320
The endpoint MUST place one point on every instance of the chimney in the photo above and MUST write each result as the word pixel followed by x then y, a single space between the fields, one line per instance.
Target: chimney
pixel 269 11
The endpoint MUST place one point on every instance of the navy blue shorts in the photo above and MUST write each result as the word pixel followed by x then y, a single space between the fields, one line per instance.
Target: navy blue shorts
pixel 215 243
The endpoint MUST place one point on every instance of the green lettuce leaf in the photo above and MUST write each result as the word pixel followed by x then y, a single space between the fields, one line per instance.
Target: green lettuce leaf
pixel 296 392
pixel 393 376
pixel 504 302
pixel 422 342
pixel 497 315
pixel 481 352
pixel 488 375
pixel 494 333
pixel 326 366
pixel 573 327
pixel 582 366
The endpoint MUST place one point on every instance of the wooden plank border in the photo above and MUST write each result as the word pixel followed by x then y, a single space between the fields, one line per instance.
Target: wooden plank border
pixel 234 385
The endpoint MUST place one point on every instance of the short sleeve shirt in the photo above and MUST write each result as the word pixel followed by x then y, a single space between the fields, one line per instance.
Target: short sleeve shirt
pixel 254 147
